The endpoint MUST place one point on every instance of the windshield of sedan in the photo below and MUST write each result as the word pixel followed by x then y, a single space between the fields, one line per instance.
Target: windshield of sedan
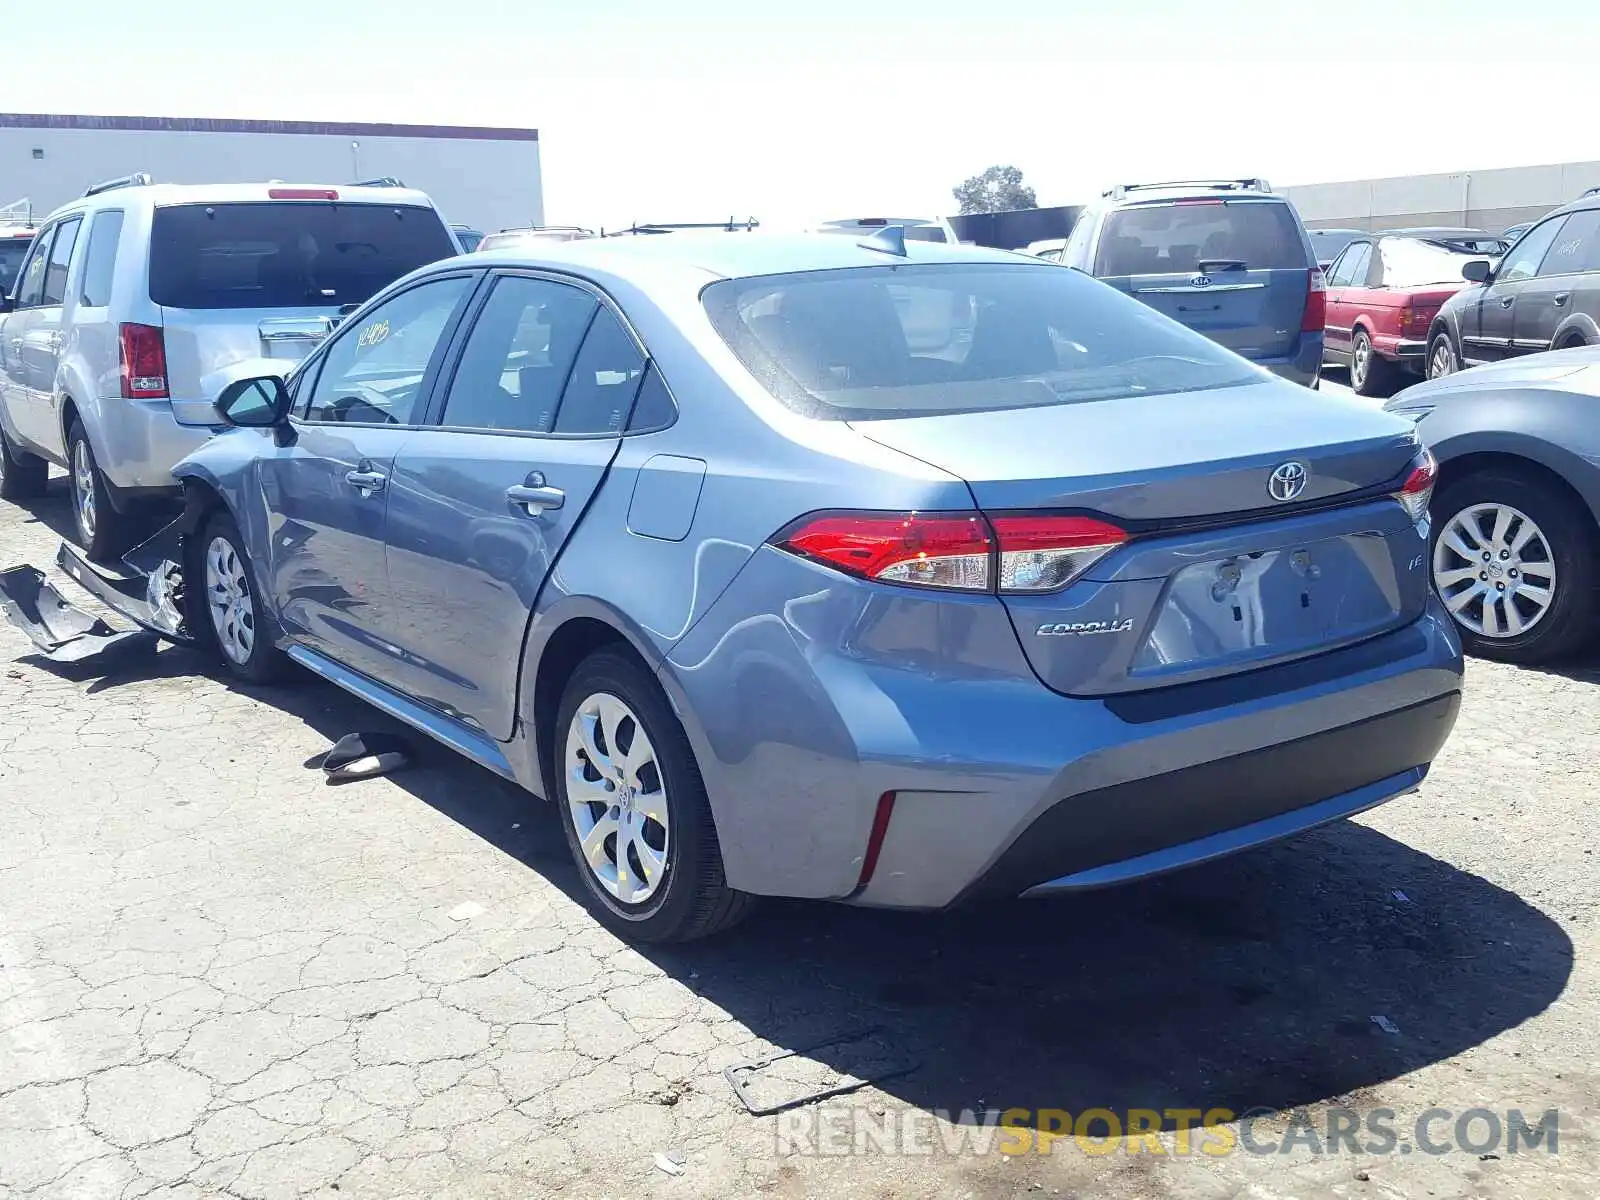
pixel 917 339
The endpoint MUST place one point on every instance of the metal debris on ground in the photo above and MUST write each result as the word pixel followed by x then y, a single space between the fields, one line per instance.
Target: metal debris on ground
pixel 1383 1023
pixel 59 630
pixel 857 1060
pixel 364 755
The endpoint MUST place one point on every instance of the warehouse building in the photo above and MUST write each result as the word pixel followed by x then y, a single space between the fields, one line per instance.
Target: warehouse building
pixel 1489 200
pixel 485 177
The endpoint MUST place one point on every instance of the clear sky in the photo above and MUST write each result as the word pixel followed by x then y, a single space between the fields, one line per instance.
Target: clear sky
pixel 700 109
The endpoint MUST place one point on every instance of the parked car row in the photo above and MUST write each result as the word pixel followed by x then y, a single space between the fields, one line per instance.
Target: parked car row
pixel 137 301
pixel 664 529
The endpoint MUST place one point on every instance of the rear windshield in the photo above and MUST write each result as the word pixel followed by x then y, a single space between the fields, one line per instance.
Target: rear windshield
pixel 287 255
pixel 1408 263
pixel 1170 239
pixel 12 251
pixel 896 341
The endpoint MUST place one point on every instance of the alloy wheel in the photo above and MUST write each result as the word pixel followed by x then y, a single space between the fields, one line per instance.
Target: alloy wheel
pixel 83 489
pixel 1360 361
pixel 617 798
pixel 1494 570
pixel 1441 362
pixel 233 613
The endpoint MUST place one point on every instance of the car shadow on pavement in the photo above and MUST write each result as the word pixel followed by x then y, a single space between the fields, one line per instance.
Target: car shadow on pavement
pixel 1255 982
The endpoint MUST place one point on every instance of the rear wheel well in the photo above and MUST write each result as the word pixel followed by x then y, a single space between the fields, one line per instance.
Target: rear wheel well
pixel 1457 469
pixel 568 646
pixel 1575 337
pixel 69 414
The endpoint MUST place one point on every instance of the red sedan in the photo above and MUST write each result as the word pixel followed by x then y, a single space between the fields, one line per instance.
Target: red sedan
pixel 1383 293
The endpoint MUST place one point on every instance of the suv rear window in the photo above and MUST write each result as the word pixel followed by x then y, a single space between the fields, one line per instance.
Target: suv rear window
pixel 882 342
pixel 1172 239
pixel 287 254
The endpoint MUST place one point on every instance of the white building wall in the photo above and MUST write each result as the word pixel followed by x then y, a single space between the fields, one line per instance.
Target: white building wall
pixel 474 178
pixel 1480 199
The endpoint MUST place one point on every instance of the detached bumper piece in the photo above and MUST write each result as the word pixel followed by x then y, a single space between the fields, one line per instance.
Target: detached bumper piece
pixel 146 588
pixel 60 631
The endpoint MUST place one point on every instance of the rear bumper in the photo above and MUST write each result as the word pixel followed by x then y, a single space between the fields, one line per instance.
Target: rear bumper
pixel 1410 353
pixel 138 442
pixel 1303 365
pixel 1164 822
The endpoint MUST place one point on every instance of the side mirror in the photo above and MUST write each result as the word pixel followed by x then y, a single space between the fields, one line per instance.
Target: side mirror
pixel 1477 270
pixel 258 403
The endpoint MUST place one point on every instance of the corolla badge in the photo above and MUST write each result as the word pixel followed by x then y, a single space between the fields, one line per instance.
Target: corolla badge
pixel 1287 481
pixel 1083 628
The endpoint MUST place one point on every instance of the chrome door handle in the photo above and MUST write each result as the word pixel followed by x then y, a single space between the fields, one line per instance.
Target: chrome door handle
pixel 1562 298
pixel 535 500
pixel 1507 301
pixel 366 482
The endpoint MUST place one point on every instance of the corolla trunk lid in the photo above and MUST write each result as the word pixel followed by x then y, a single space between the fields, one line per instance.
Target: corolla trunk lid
pixel 1259 528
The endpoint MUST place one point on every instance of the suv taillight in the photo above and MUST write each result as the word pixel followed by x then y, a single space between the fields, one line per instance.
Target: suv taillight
pixel 1316 317
pixel 1015 553
pixel 144 362
pixel 1417 490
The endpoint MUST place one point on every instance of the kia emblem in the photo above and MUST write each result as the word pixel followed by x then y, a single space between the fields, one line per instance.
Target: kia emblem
pixel 1201 281
pixel 1287 481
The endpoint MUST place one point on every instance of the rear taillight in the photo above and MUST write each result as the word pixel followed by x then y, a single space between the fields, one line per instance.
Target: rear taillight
pixel 939 550
pixel 143 355
pixel 1018 553
pixel 1417 490
pixel 1042 553
pixel 1316 302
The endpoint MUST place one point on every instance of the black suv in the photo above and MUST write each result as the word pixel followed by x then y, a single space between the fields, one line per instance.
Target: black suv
pixel 1543 295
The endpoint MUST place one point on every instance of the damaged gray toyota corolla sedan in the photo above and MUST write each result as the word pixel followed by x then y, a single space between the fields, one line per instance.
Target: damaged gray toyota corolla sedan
pixel 866 570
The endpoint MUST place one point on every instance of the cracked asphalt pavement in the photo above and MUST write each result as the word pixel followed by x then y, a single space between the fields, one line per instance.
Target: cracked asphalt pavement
pixel 220 977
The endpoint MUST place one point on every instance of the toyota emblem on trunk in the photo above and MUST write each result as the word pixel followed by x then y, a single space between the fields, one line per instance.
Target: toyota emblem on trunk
pixel 1287 481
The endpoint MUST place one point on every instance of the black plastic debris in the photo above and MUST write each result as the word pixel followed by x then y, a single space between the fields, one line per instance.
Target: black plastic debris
pixel 363 756
pixel 854 1061
pixel 60 631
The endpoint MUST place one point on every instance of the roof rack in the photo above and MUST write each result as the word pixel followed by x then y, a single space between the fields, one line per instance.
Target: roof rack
pixel 731 225
pixel 1225 185
pixel 18 212
pixel 137 179
pixel 382 181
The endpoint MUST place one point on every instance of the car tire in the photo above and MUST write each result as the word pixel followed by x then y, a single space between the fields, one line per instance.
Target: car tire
pixel 1442 357
pixel 103 532
pixel 22 475
pixel 1549 579
pixel 652 870
pixel 1371 374
pixel 224 608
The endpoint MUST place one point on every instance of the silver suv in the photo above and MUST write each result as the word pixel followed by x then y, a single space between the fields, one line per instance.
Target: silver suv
pixel 139 301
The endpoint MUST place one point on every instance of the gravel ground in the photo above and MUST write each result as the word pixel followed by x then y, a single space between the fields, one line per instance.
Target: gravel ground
pixel 220 977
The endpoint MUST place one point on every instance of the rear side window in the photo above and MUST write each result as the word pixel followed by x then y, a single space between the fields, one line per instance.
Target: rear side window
pixel 518 356
pixel 1170 239
pixel 104 233
pixel 30 287
pixel 55 275
pixel 879 342
pixel 604 379
pixel 1577 247
pixel 291 254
